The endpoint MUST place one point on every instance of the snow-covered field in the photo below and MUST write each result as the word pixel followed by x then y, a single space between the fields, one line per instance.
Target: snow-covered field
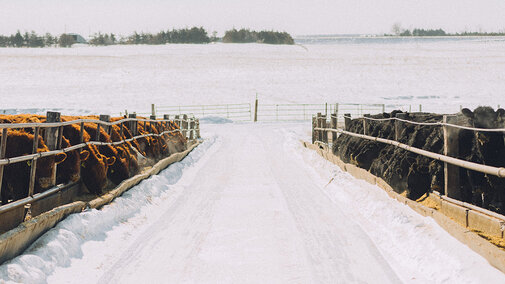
pixel 250 205
pixel 438 74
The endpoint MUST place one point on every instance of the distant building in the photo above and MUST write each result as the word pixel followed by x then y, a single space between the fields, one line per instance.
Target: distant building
pixel 78 38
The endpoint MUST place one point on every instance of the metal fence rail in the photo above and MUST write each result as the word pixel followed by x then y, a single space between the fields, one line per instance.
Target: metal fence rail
pixel 189 128
pixel 236 112
pixel 273 112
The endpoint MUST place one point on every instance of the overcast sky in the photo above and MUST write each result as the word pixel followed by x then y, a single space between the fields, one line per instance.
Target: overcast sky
pixel 298 17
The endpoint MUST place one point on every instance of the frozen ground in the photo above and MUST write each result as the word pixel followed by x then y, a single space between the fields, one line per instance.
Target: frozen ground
pixel 440 74
pixel 250 205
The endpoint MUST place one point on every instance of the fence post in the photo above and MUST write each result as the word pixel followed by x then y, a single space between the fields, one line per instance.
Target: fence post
pixel 420 108
pixel 165 123
pixel 333 125
pixel 198 128
pixel 336 115
pixel 153 110
pixel 33 168
pixel 3 147
pixel 192 129
pixel 399 125
pixel 51 133
pixel 132 125
pixel 324 132
pixel 365 124
pixel 52 138
pixel 383 108
pixel 326 109
pixel 451 148
pixel 347 121
pixel 184 124
pixel 106 128
pixel 256 110
pixel 319 125
pixel 314 125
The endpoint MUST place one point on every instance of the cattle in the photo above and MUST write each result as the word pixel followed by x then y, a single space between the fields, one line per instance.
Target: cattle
pixel 486 148
pixel 414 174
pixel 70 169
pixel 17 175
pixel 94 169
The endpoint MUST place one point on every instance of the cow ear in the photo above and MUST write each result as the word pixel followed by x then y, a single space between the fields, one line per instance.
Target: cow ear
pixel 111 161
pixel 59 158
pixel 466 112
pixel 84 155
pixel 500 112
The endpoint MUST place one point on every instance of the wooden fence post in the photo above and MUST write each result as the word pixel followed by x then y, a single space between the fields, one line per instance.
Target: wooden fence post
pixel 153 110
pixel 347 121
pixel 3 147
pixel 106 128
pixel 51 133
pixel 333 125
pixel 33 168
pixel 184 123
pixel 451 148
pixel 319 125
pixel 256 110
pixel 198 128
pixel 132 125
pixel 314 133
pixel 324 132
pixel 336 115
pixel 399 125
pixel 165 124
pixel 52 139
pixel 365 124
pixel 192 129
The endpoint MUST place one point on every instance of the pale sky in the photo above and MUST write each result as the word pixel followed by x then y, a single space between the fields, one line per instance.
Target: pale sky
pixel 298 17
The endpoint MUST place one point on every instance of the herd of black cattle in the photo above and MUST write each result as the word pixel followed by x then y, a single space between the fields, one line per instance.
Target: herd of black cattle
pixel 99 167
pixel 416 175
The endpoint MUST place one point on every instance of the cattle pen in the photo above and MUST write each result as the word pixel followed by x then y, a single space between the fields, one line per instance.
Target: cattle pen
pixel 15 212
pixel 448 201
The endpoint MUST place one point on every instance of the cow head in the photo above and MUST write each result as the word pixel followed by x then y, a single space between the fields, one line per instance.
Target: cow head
pixel 485 117
pixel 94 170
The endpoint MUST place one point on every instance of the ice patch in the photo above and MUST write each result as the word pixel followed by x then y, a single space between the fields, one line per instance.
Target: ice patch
pixel 215 120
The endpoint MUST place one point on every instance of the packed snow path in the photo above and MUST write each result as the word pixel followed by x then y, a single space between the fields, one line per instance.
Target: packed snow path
pixel 251 206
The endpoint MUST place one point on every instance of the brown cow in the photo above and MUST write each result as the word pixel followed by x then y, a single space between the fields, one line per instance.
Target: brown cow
pixel 17 176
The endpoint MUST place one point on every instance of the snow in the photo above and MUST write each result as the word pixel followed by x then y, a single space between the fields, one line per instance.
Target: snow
pixel 250 205
pixel 440 74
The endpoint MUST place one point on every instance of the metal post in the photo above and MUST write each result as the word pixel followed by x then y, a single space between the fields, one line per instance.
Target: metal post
pixel 3 147
pixel 451 148
pixel 347 121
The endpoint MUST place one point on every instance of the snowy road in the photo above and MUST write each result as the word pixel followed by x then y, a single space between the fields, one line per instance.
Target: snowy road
pixel 251 206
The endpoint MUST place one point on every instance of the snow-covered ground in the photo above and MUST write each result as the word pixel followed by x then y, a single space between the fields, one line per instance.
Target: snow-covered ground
pixel 440 74
pixel 250 205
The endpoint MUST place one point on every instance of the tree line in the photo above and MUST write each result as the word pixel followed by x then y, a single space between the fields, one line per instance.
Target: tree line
pixel 194 35
pixel 399 31
pixel 247 36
